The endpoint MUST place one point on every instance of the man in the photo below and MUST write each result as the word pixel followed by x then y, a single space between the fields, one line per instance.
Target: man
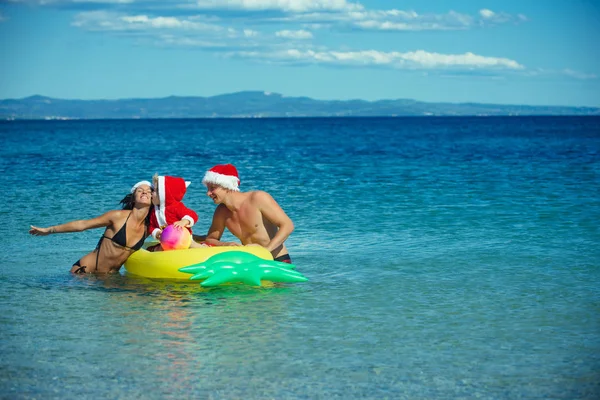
pixel 253 217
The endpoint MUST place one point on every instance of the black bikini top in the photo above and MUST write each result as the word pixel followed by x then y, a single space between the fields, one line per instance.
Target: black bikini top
pixel 120 237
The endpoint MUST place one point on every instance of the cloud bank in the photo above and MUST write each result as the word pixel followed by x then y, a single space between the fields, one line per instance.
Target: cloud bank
pixel 292 32
pixel 419 59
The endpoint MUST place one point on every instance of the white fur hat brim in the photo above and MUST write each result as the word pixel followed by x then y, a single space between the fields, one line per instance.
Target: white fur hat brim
pixel 226 181
pixel 140 183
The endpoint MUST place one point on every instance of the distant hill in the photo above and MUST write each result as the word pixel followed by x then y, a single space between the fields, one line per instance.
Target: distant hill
pixel 258 105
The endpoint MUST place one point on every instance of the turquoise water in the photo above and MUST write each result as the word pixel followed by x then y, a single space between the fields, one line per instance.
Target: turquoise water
pixel 447 258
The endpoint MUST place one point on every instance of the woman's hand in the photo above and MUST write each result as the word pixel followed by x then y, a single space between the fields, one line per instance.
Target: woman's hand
pixel 35 231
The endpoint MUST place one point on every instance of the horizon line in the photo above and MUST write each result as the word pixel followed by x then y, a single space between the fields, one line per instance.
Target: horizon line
pixel 267 93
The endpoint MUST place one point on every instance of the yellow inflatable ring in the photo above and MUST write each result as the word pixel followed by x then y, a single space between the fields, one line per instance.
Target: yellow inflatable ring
pixel 166 264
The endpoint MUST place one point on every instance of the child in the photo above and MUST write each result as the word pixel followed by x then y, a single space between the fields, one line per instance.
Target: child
pixel 168 208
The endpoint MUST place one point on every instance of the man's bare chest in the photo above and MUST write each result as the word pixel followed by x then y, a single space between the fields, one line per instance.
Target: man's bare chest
pixel 245 221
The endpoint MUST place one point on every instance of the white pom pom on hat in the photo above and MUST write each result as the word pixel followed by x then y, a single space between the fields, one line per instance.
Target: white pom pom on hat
pixel 224 175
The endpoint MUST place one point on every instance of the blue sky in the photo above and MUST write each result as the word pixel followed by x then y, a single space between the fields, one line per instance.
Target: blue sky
pixel 541 52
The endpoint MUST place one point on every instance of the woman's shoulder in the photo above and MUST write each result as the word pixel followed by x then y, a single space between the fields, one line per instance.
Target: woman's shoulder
pixel 117 214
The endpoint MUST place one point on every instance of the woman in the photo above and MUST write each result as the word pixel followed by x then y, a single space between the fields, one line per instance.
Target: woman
pixel 125 232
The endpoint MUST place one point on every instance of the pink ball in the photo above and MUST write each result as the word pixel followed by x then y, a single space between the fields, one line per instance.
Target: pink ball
pixel 173 238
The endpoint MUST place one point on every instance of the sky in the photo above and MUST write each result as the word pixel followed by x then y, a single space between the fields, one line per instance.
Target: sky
pixel 536 52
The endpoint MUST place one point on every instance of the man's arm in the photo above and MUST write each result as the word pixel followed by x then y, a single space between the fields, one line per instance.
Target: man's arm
pixel 271 210
pixel 217 227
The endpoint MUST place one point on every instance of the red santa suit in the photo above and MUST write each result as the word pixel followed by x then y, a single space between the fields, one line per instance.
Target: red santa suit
pixel 170 192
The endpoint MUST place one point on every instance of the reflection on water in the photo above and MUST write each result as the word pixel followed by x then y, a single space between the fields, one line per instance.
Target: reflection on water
pixel 190 330
pixel 168 332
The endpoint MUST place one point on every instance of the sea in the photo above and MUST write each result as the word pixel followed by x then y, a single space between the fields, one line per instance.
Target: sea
pixel 447 258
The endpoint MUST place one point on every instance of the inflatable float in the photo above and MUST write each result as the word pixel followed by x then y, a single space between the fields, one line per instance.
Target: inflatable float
pixel 213 266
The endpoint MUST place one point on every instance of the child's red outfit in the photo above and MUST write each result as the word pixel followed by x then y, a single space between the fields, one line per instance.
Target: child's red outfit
pixel 170 192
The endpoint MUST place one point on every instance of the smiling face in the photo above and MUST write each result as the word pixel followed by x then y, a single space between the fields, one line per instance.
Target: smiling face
pixel 143 195
pixel 215 192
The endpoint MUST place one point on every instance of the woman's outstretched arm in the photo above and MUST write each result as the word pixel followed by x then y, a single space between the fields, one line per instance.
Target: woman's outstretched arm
pixel 75 226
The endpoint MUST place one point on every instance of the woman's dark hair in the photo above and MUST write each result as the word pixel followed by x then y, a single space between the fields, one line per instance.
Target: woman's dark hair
pixel 128 202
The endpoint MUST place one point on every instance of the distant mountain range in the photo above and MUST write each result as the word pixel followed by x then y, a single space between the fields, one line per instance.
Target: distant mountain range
pixel 259 105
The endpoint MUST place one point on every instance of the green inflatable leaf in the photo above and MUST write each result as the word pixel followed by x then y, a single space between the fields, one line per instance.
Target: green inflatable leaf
pixel 238 266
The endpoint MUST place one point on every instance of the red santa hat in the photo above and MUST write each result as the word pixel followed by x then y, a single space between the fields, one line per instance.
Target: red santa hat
pixel 224 175
pixel 170 189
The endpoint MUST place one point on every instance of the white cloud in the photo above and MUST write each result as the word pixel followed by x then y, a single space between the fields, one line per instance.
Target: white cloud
pixel 96 20
pixel 342 14
pixel 401 20
pixel 250 33
pixel 401 13
pixel 419 59
pixel 104 1
pixel 578 75
pixel 282 5
pixel 494 18
pixel 110 21
pixel 400 26
pixel 159 22
pixel 433 60
pixel 485 13
pixel 210 44
pixel 300 34
pixel 60 2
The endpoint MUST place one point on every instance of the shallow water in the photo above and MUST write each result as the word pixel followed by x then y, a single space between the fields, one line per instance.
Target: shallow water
pixel 447 258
